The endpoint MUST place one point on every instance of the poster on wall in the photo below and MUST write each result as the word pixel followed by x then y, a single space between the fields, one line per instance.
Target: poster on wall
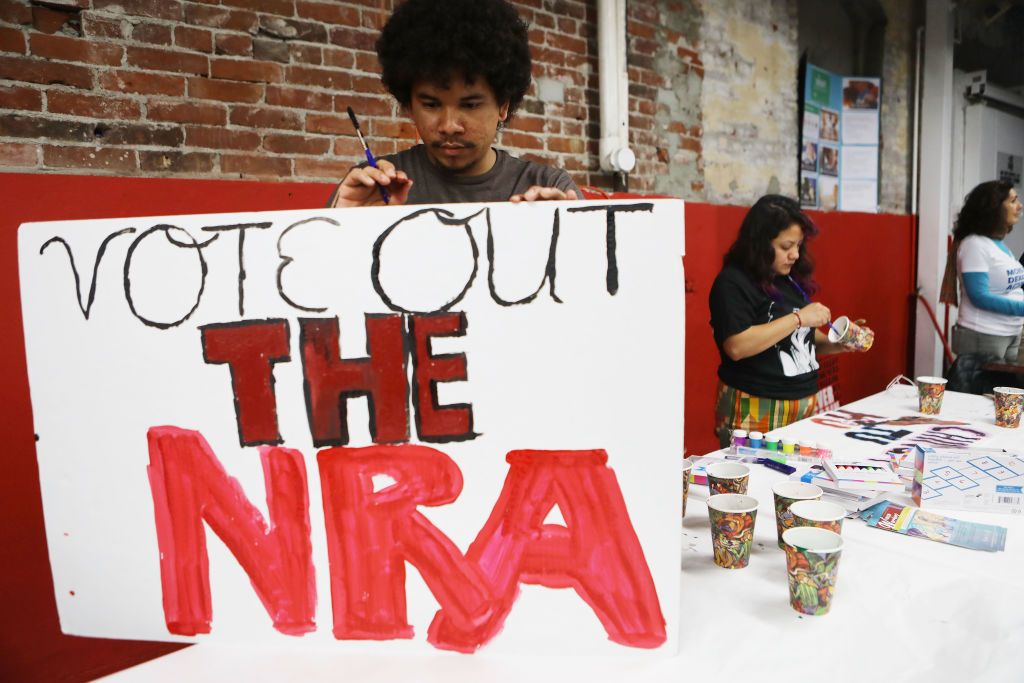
pixel 398 428
pixel 820 127
pixel 841 124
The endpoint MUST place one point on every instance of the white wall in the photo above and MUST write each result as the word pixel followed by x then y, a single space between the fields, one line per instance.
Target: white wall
pixel 937 106
pixel 987 132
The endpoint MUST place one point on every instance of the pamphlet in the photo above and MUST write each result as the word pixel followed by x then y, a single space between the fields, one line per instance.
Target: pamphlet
pixel 920 523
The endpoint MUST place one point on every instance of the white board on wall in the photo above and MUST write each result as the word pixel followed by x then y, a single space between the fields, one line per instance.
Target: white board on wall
pixel 455 426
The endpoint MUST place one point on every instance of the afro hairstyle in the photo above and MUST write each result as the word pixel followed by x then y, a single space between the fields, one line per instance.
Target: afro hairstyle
pixel 435 40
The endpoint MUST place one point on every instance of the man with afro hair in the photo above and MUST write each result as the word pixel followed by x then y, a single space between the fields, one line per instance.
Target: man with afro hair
pixel 459 69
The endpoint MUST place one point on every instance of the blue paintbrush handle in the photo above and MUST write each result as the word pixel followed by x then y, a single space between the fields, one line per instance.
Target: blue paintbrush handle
pixel 373 162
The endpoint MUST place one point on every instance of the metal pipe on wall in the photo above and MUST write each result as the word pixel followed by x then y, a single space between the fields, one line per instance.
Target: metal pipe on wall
pixel 916 142
pixel 613 79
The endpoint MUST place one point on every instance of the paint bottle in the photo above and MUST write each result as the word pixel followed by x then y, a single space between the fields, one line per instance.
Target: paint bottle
pixel 771 443
pixel 739 438
pixel 808 448
pixel 756 440
pixel 788 446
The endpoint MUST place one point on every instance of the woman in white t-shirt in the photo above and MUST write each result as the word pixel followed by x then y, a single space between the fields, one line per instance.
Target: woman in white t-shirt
pixel 991 311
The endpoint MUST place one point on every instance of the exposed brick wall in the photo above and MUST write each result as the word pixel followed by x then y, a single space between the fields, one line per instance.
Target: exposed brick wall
pixel 258 89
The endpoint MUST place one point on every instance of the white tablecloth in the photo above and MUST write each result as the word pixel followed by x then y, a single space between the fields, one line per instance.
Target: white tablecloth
pixel 900 401
pixel 905 609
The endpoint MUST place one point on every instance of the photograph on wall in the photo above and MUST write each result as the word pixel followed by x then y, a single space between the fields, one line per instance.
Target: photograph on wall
pixel 828 192
pixel 860 93
pixel 829 160
pixel 809 190
pixel 809 156
pixel 829 125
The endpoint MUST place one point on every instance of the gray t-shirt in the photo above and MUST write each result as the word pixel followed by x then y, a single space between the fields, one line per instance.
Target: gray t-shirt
pixel 507 177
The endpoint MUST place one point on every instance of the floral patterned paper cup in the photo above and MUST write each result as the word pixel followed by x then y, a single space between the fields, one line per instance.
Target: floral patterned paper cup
pixel 732 528
pixel 845 332
pixel 818 513
pixel 812 561
pixel 687 469
pixel 1009 405
pixel 786 493
pixel 727 477
pixel 930 391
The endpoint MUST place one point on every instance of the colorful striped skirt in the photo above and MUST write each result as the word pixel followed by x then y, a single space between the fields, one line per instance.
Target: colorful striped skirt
pixel 735 409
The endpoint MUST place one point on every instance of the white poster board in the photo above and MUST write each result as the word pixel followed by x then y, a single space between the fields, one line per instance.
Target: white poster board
pixel 395 428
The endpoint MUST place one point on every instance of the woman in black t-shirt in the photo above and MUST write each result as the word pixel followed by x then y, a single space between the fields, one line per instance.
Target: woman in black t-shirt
pixel 764 323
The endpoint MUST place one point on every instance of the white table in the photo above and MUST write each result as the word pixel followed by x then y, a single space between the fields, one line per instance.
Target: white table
pixel 902 401
pixel 905 609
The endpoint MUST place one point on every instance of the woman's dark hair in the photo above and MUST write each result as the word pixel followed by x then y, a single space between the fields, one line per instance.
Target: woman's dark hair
pixel 433 40
pixel 982 212
pixel 752 252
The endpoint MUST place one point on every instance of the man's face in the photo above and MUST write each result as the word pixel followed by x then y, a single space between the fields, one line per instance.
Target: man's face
pixel 457 122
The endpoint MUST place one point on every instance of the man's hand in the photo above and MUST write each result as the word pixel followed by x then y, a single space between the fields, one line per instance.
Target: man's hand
pixel 538 193
pixel 360 187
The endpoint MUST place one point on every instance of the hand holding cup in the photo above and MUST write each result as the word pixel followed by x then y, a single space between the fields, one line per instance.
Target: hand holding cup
pixel 851 335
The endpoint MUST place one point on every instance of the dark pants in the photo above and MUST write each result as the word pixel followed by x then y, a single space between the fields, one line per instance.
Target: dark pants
pixel 1002 348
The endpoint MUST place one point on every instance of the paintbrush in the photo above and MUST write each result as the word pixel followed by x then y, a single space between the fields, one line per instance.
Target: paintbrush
pixel 369 155
pixel 808 300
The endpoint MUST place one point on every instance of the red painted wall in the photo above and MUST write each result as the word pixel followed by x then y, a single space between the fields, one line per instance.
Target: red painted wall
pixel 32 647
pixel 865 269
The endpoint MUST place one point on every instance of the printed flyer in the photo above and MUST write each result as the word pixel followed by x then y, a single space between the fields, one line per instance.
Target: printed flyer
pixel 910 521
